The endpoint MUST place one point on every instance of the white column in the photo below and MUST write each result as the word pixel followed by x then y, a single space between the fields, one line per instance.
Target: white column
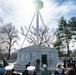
pixel 37 28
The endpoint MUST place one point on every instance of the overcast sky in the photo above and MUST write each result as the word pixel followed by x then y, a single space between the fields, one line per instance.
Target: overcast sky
pixel 20 12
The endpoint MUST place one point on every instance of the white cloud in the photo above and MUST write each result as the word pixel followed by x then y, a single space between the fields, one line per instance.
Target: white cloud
pixel 20 12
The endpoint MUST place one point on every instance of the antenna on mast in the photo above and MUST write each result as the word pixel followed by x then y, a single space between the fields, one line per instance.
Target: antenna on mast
pixel 38 5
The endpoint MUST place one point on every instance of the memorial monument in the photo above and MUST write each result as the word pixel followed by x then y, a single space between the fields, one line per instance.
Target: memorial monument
pixel 37 55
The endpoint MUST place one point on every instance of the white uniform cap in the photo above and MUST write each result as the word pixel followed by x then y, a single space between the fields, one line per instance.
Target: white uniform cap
pixel 31 68
pixel 9 68
pixel 44 66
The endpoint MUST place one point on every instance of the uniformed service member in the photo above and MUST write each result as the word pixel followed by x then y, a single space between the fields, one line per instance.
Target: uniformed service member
pixel 46 71
pixel 9 70
pixel 29 71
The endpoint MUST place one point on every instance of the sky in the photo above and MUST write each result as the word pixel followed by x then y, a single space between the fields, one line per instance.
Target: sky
pixel 20 12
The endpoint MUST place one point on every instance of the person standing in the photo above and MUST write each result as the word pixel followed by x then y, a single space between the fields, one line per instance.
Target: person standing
pixel 59 70
pixel 27 64
pixel 64 62
pixel 5 63
pixel 9 70
pixel 70 71
pixel 46 71
pixel 29 71
pixel 25 72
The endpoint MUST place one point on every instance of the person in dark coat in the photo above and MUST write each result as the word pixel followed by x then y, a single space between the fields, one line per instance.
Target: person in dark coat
pixel 27 64
pixel 29 71
pixel 64 63
pixel 46 71
pixel 9 70
pixel 59 70
pixel 5 63
pixel 70 71
pixel 25 72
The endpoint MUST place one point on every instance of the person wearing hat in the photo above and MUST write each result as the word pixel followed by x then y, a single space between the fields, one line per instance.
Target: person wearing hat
pixel 46 71
pixel 29 71
pixel 9 70
pixel 59 69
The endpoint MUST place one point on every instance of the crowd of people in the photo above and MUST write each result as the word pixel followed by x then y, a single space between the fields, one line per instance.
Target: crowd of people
pixel 70 62
pixel 67 68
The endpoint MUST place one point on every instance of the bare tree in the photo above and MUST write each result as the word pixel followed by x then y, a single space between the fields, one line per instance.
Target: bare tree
pixel 45 36
pixel 8 38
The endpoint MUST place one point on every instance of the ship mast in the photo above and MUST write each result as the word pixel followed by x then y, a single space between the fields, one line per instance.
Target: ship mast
pixel 38 5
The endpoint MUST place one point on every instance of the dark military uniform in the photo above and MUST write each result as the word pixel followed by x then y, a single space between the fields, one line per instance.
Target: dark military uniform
pixel 13 74
pixel 25 72
pixel 64 63
pixel 10 70
pixel 29 69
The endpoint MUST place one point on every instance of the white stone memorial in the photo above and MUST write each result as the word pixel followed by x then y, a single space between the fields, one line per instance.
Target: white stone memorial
pixel 46 55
